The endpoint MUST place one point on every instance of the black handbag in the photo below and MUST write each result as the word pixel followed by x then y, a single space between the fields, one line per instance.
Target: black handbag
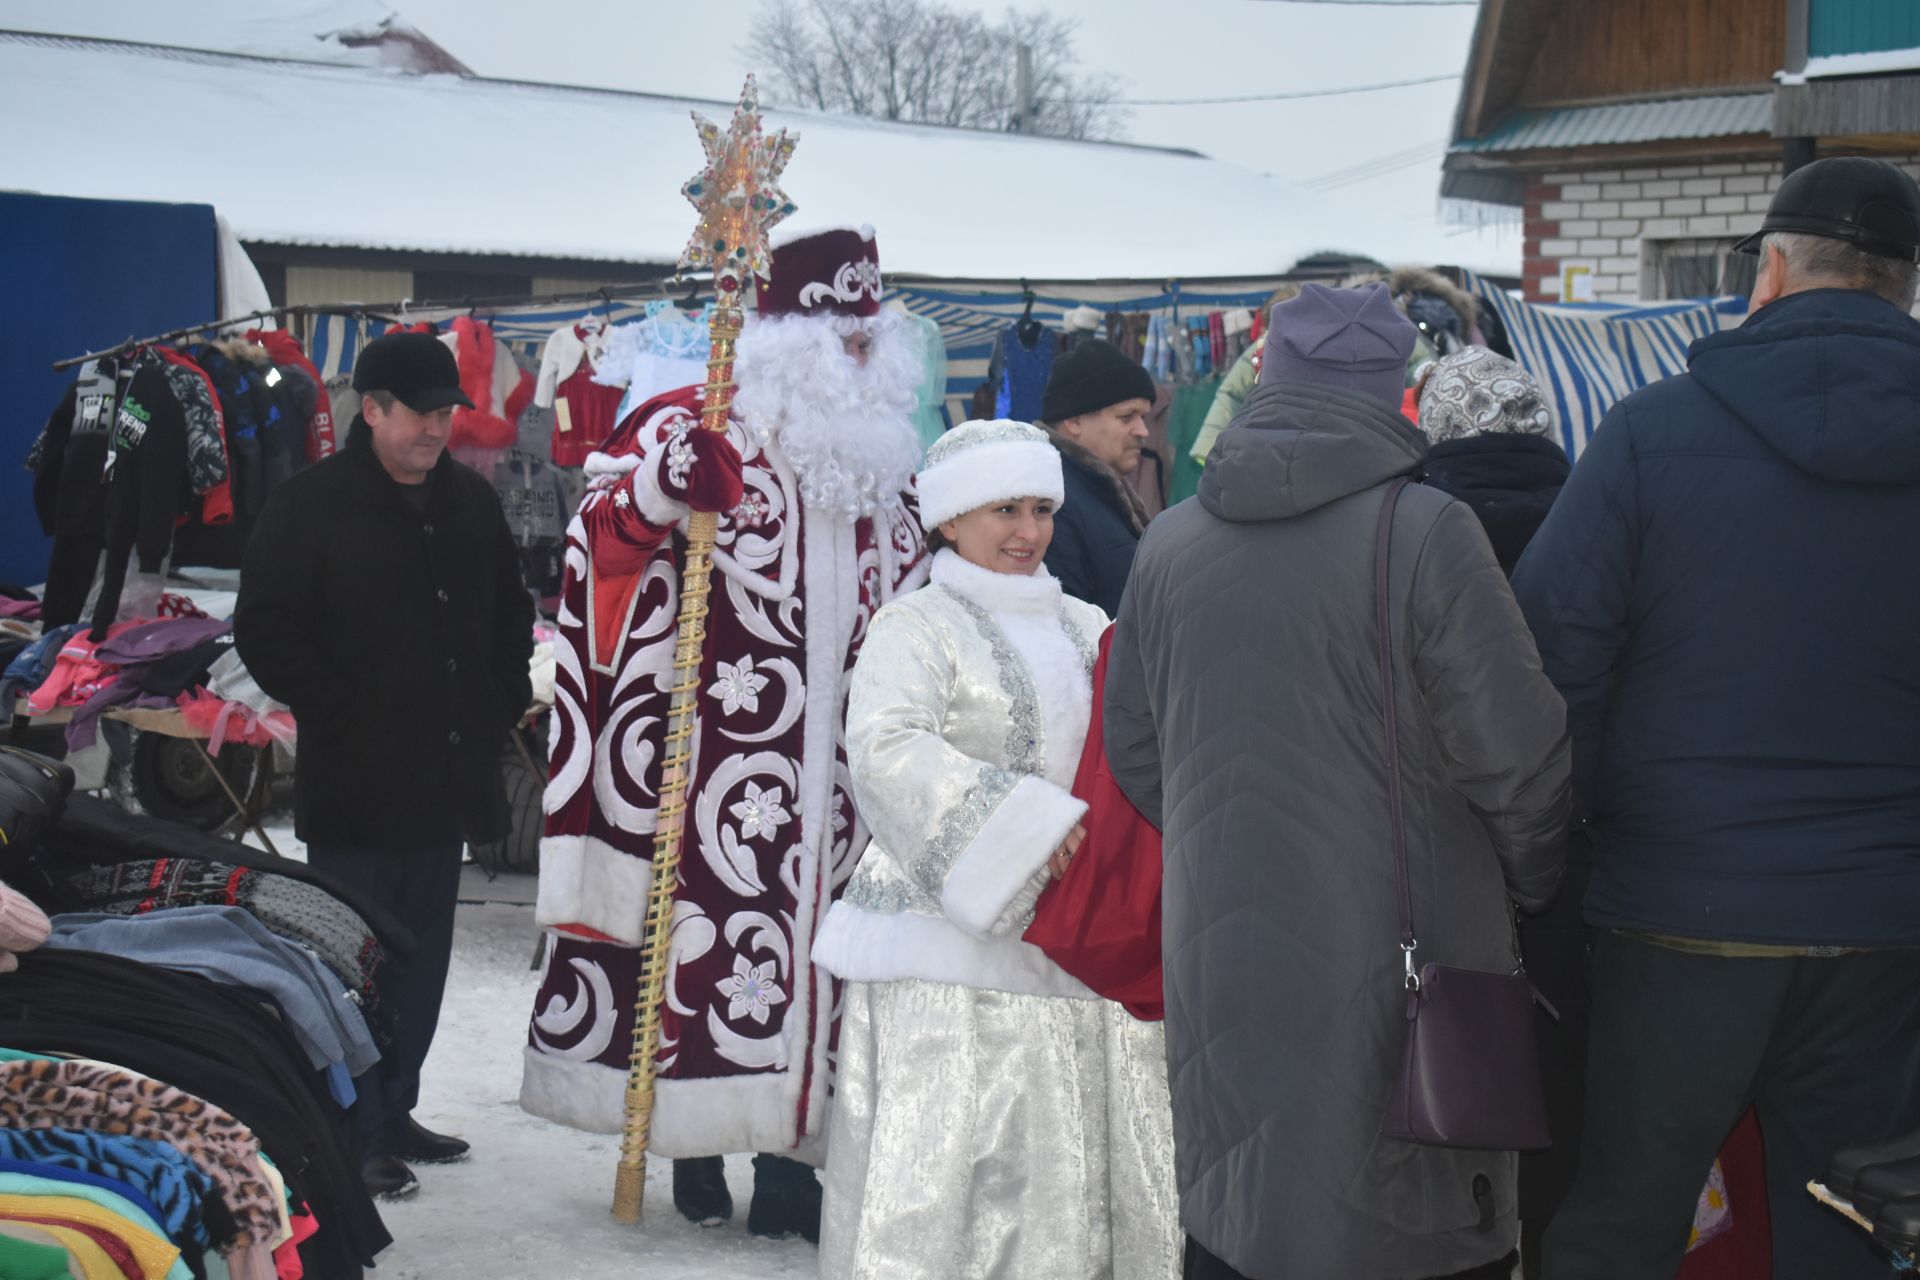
pixel 1470 1073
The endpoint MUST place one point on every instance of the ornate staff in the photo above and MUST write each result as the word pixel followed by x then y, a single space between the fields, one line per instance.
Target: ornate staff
pixel 738 198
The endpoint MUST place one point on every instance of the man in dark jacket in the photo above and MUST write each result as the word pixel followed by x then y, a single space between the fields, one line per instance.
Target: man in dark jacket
pixel 381 600
pixel 1244 713
pixel 1725 593
pixel 1095 408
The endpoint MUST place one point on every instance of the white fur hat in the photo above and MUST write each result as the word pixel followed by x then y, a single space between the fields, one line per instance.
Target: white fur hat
pixel 980 462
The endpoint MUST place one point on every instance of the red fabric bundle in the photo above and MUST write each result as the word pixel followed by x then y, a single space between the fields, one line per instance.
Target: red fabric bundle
pixel 1101 921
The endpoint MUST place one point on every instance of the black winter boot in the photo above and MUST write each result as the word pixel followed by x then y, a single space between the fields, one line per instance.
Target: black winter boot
pixel 786 1200
pixel 700 1190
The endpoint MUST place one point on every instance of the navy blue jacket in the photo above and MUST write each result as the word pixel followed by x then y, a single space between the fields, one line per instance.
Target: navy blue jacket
pixel 1727 594
pixel 1094 533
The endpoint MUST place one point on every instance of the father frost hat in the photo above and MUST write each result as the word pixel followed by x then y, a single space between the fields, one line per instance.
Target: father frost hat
pixel 981 462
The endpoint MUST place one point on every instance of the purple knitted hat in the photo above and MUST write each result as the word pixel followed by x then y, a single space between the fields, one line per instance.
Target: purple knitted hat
pixel 1354 339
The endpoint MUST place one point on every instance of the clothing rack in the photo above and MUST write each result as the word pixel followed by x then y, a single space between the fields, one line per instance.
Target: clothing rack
pixel 396 311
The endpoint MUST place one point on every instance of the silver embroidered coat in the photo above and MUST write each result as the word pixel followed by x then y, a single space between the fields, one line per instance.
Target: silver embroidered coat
pixel 992 1120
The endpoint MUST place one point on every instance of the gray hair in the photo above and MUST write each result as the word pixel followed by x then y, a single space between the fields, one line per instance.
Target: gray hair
pixel 1822 260
pixel 385 399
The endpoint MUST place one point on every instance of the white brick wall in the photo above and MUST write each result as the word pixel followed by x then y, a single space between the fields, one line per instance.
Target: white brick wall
pixel 1608 215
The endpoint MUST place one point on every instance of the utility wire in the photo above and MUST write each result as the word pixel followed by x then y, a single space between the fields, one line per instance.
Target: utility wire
pixel 1377 167
pixel 1251 97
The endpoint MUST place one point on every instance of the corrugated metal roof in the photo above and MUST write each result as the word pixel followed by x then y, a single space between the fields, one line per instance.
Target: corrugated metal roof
pixel 1716 116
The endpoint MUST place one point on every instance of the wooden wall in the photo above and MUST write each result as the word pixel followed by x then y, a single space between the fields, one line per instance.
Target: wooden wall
pixel 1600 49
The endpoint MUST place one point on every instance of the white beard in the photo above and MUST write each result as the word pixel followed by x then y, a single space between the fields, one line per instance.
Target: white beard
pixel 847 429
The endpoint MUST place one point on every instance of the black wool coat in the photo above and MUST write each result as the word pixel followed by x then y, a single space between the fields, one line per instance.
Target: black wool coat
pixel 399 639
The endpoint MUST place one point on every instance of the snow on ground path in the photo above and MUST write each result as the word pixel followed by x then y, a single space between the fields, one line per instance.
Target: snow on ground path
pixel 534 1198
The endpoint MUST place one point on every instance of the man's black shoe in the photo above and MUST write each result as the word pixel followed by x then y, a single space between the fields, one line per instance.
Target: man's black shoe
pixel 388 1178
pixel 700 1190
pixel 786 1200
pixel 422 1145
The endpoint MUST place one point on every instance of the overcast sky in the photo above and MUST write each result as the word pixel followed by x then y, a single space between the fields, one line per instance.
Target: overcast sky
pixel 1159 48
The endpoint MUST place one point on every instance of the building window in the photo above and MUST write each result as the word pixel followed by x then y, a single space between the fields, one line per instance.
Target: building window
pixel 1703 268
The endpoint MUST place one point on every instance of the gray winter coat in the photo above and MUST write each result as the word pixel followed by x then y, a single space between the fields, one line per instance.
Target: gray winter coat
pixel 1243 716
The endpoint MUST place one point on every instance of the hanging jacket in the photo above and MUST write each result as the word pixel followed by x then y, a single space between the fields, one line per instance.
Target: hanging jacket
pixel 286 352
pixel 233 382
pixel 492 380
pixel 216 499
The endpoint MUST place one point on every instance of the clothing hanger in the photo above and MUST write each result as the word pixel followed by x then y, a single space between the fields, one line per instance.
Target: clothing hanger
pixel 1028 330
pixel 692 301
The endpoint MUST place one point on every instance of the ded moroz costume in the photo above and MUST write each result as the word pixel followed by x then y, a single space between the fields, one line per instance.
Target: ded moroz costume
pixel 813 483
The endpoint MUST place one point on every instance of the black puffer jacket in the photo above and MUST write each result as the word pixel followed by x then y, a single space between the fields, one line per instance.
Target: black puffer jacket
pixel 401 642
pixel 1509 479
pixel 1243 706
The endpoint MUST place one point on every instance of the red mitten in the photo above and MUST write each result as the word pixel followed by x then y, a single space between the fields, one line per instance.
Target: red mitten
pixel 702 469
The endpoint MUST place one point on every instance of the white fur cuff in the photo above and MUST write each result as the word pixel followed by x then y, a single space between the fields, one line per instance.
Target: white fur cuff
pixel 1011 846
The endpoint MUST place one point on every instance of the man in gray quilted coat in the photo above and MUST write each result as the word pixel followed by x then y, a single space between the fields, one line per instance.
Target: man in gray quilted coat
pixel 1243 717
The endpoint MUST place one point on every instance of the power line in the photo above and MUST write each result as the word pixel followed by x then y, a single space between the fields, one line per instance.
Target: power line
pixel 1377 167
pixel 1254 97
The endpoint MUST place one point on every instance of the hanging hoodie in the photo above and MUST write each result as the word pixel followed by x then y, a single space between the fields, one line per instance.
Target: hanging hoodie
pixel 216 499
pixel 147 485
pixel 69 492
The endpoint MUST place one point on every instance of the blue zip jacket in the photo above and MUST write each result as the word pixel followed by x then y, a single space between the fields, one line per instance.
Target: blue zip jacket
pixel 1727 594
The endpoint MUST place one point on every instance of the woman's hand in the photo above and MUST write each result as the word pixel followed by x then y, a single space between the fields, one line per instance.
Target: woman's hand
pixel 1064 854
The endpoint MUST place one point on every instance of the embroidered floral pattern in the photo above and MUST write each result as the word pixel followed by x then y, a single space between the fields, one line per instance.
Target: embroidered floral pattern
pixel 751 990
pixel 761 813
pixel 738 686
pixel 751 513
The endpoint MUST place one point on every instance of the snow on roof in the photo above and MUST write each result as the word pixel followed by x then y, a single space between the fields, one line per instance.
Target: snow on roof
pixel 366 157
pixel 350 32
pixel 1876 62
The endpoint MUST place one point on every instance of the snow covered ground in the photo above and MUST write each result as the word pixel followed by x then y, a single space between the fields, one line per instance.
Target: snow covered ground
pixel 534 1198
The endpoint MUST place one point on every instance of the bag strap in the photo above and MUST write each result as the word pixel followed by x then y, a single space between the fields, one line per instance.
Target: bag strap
pixel 1383 623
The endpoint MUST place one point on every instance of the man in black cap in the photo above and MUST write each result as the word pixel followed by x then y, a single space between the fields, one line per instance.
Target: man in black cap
pixel 1095 408
pixel 1725 594
pixel 381 600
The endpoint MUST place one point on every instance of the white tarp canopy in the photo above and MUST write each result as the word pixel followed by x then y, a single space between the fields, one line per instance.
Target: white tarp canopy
pixel 366 157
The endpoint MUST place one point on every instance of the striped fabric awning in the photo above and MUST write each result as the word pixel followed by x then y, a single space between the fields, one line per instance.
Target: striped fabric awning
pixel 1591 355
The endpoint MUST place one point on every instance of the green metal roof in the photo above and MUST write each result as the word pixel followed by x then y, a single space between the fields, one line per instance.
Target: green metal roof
pixel 1715 116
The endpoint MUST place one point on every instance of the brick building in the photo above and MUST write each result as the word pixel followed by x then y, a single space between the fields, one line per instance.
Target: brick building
pixel 1643 138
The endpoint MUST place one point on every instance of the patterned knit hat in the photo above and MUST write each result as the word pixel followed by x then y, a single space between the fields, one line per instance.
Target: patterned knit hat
pixel 1475 392
pixel 980 462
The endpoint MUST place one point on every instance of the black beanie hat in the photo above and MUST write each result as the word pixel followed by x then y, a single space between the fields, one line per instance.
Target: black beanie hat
pixel 1089 378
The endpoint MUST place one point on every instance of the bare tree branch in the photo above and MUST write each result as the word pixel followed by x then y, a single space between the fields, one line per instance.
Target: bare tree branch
pixel 918 60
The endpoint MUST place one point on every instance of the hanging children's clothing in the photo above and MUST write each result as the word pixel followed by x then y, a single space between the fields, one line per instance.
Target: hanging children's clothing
pixel 496 385
pixel 1023 354
pixel 584 409
pixel 930 409
pixel 67 461
pixel 664 350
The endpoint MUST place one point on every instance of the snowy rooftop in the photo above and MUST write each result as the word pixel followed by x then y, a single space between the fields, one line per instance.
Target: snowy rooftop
pixel 350 32
pixel 304 153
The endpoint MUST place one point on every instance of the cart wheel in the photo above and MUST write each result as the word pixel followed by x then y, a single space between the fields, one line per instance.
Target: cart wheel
pixel 166 778
pixel 520 851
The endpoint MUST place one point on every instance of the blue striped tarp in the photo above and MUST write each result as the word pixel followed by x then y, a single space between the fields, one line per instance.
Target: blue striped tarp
pixel 1590 355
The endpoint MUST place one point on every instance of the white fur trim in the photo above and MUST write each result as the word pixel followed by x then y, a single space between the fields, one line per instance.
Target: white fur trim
pixel 787 233
pixel 1009 849
pixel 610 464
pixel 656 507
pixel 588 1096
pixel 988 473
pixel 1065 686
pixel 867 946
pixel 1036 592
pixel 690 1118
pixel 586 881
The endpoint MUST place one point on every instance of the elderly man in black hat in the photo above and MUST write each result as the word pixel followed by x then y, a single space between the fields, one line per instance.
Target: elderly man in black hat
pixel 381 600
pixel 1095 409
pixel 1726 596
